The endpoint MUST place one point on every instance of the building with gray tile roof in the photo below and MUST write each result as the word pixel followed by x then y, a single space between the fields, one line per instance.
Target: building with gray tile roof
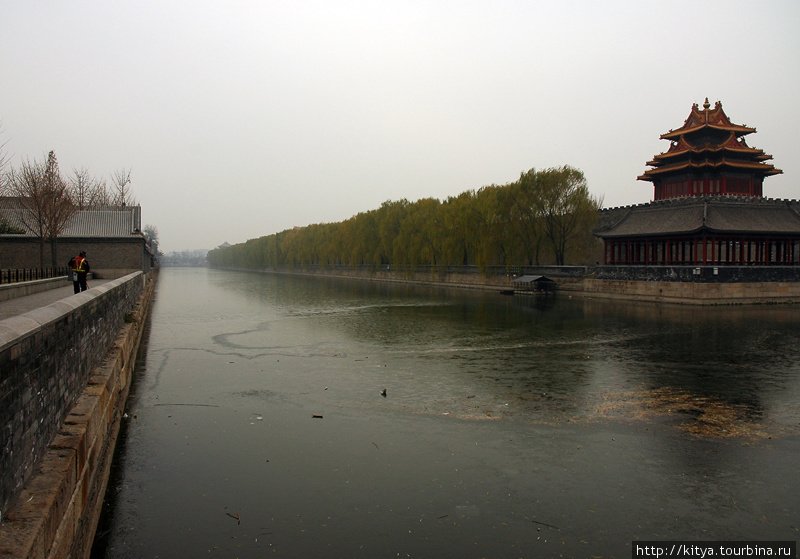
pixel 708 207
pixel 110 236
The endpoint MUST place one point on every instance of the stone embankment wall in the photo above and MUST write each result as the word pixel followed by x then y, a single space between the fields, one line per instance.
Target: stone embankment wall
pixel 66 372
pixel 745 293
pixel 470 277
pixel 438 278
pixel 694 285
pixel 680 285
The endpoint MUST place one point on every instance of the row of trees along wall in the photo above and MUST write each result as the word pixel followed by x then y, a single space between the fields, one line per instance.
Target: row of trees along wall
pixel 43 201
pixel 545 217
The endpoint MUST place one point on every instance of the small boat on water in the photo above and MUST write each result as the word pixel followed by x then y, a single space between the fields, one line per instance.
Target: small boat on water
pixel 531 285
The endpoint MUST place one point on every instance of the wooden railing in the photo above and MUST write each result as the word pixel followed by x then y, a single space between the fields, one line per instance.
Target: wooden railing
pixel 30 274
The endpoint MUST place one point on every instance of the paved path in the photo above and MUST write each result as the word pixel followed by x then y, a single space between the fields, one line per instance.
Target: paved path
pixel 21 305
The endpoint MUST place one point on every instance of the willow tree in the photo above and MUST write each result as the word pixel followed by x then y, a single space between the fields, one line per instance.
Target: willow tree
pixel 509 225
pixel 563 207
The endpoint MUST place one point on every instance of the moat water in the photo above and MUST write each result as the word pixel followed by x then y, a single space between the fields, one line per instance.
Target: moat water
pixel 510 426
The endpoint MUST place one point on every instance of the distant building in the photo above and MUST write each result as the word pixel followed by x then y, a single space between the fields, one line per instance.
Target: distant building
pixel 111 237
pixel 708 207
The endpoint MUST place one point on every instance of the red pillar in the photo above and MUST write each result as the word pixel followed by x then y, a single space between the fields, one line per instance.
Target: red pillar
pixel 705 244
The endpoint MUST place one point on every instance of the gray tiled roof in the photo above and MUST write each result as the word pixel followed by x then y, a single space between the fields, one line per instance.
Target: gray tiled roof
pixel 100 222
pixel 715 214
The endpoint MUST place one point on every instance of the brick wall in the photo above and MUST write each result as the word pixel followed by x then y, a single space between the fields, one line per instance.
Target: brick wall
pixel 46 358
pixel 109 258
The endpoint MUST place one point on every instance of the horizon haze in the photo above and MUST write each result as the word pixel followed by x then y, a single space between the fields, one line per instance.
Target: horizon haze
pixel 242 119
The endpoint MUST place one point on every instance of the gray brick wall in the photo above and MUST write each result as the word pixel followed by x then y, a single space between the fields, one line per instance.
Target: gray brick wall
pixel 46 358
pixel 103 254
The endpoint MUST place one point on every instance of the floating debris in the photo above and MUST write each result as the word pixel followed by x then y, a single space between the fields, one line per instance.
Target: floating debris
pixel 705 416
pixel 545 524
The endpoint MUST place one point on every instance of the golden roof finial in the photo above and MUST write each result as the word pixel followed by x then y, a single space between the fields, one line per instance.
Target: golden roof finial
pixel 706 105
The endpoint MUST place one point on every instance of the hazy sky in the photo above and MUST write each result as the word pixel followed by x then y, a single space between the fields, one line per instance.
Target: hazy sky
pixel 241 119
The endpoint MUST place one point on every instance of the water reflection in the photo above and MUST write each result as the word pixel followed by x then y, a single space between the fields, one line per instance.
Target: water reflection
pixel 511 426
pixel 548 360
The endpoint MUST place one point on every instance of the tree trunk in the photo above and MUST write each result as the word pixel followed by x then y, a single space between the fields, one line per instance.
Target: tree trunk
pixel 41 252
pixel 54 252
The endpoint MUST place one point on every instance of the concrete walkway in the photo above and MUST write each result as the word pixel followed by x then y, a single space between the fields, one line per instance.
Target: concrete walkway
pixel 21 305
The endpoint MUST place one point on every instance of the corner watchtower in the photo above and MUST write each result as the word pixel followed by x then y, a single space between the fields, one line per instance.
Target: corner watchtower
pixel 708 155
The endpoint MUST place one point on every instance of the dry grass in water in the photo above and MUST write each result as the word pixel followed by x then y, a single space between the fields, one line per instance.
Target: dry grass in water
pixel 705 417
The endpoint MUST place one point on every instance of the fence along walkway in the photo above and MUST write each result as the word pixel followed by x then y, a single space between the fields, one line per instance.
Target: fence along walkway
pixel 30 274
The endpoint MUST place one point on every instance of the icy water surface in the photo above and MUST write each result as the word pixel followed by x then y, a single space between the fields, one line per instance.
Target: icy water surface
pixel 511 427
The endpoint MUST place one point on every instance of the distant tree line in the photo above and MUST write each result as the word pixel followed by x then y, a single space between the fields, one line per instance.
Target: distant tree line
pixel 545 217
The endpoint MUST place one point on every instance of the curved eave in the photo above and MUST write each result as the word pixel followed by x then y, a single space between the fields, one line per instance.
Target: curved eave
pixel 761 168
pixel 755 153
pixel 664 235
pixel 737 130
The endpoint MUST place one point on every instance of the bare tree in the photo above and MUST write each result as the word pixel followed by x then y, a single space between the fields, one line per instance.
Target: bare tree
pixel 122 190
pixel 3 160
pixel 44 202
pixel 87 190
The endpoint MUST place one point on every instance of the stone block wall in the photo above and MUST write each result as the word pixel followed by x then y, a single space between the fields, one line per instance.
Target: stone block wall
pixel 46 359
pixel 693 293
pixel 682 285
pixel 436 278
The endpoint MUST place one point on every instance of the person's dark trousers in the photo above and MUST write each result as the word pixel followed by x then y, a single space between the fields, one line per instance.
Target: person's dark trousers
pixel 80 285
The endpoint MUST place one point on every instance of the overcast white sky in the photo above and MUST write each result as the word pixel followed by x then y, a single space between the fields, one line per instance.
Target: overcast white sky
pixel 241 119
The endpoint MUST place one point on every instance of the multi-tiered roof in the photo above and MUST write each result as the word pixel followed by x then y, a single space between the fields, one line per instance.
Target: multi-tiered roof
pixel 708 155
pixel 708 207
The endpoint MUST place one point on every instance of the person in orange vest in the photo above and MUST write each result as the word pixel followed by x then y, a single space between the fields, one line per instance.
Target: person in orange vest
pixel 80 267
